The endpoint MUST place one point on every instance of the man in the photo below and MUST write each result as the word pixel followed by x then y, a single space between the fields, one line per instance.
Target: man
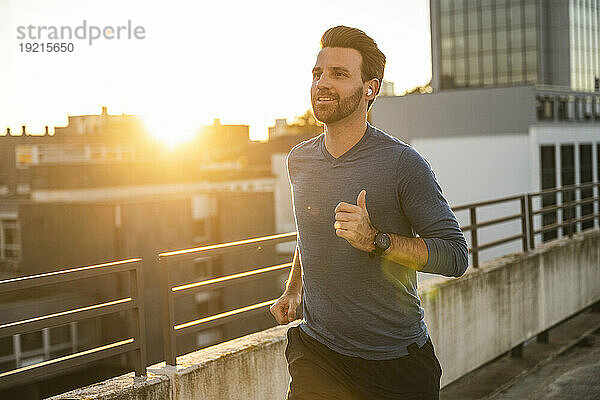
pixel 359 197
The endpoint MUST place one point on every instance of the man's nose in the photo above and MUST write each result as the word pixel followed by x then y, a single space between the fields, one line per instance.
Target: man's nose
pixel 323 82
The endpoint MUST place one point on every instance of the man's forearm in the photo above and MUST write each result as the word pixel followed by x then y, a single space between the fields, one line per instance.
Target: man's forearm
pixel 294 282
pixel 410 252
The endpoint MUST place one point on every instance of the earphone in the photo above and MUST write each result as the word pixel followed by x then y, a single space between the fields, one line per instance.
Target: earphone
pixel 370 92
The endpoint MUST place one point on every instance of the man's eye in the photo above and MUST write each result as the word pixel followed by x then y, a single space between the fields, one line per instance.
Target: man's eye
pixel 340 74
pixel 316 75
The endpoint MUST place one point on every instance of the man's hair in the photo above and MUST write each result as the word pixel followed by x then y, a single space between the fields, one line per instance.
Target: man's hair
pixel 373 60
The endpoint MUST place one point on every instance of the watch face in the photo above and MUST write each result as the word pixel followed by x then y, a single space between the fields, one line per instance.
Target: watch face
pixel 382 240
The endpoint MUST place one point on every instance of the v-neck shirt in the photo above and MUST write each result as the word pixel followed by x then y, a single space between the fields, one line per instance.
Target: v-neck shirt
pixel 357 305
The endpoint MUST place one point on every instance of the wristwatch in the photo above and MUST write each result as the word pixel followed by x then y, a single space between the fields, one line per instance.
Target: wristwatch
pixel 382 242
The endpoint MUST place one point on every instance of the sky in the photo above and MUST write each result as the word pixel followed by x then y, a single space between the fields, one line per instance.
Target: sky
pixel 244 62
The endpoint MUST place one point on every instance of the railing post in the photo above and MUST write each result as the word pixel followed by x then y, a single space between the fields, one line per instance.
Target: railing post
pixel 570 223
pixel 530 226
pixel 136 281
pixel 524 223
pixel 474 241
pixel 596 203
pixel 166 305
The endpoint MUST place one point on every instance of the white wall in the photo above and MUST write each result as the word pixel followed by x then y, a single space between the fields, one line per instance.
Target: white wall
pixel 477 168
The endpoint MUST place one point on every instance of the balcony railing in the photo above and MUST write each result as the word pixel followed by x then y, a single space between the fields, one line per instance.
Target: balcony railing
pixel 168 292
pixel 134 302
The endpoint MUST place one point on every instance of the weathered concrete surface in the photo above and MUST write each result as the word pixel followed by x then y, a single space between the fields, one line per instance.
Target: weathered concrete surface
pixel 486 312
pixel 124 387
pixel 472 320
pixel 251 367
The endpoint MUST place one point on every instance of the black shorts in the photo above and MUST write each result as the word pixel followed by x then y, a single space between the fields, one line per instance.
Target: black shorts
pixel 318 372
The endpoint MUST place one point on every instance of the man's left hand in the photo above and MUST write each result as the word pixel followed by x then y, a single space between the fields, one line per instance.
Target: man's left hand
pixel 352 223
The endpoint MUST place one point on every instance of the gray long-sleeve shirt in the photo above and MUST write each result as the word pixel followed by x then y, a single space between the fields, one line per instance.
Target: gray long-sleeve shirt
pixel 353 304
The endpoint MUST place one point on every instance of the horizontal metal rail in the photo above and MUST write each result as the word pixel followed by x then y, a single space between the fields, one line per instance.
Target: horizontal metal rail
pixel 224 281
pixel 65 275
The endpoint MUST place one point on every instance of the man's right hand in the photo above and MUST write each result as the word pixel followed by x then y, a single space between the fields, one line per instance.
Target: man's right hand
pixel 284 309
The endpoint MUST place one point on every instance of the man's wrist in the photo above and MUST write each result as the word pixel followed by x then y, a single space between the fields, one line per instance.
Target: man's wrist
pixel 372 235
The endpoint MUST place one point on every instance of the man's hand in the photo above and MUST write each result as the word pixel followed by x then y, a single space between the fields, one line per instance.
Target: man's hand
pixel 284 309
pixel 352 223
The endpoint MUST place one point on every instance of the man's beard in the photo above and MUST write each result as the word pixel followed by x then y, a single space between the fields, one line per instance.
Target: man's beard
pixel 330 113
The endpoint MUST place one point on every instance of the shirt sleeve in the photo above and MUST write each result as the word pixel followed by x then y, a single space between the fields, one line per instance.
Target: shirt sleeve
pixel 423 203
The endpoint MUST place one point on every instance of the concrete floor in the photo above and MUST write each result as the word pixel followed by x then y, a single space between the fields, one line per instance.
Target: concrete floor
pixel 567 367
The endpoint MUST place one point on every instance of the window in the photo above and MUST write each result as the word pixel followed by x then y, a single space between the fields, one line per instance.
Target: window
pixel 203 268
pixel 548 180
pixel 567 174
pixel 586 176
pixel 10 243
pixel 201 229
pixel 562 109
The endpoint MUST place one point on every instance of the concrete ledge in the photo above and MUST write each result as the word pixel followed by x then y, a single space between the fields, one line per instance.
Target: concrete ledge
pixel 487 312
pixel 250 367
pixel 124 387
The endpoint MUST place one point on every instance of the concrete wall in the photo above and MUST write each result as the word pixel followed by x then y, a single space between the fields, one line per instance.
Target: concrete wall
pixel 461 112
pixel 472 320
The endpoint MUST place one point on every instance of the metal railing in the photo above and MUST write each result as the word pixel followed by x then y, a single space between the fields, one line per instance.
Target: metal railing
pixel 134 302
pixel 572 201
pixel 571 204
pixel 475 225
pixel 170 330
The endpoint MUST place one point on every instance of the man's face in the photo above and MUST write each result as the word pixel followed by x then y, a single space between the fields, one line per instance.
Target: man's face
pixel 337 86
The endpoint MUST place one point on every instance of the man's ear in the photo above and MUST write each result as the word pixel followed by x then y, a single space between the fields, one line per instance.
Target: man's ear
pixel 373 85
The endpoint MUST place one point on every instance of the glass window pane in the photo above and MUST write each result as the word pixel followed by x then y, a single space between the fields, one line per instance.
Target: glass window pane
pixel 530 14
pixel 473 43
pixel 530 37
pixel 502 62
pixel 445 5
pixel 446 67
pixel 459 66
pixel 459 44
pixel 501 40
pixel 516 60
pixel 472 3
pixel 447 45
pixel 486 18
pixel 515 15
pixel 531 61
pixel 474 66
pixel 459 22
pixel 486 39
pixel 517 77
pixel 474 80
pixel 500 16
pixel 515 38
pixel 445 23
pixel 473 20
pixel 488 67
